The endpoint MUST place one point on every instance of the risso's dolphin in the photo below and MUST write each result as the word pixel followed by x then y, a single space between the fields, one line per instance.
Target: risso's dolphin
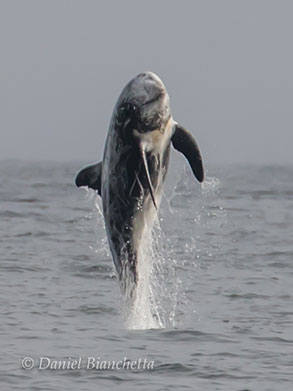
pixel 136 157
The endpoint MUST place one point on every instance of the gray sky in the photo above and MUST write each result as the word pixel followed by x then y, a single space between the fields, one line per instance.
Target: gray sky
pixel 227 66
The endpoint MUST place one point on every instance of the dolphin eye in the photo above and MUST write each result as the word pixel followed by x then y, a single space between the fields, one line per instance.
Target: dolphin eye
pixel 131 109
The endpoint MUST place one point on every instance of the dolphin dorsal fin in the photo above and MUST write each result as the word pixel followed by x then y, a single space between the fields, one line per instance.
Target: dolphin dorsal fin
pixel 185 143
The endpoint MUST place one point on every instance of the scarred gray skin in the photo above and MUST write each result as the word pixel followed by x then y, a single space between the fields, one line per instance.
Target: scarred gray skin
pixel 141 120
pixel 130 178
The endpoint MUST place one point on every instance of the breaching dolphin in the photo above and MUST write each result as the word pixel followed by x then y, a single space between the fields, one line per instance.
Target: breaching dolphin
pixel 136 157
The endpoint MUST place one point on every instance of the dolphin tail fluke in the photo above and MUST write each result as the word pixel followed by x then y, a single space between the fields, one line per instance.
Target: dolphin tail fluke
pixel 91 177
pixel 185 143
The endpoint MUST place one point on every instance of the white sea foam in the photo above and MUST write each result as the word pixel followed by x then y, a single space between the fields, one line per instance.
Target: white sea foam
pixel 151 304
pixel 160 298
pixel 147 309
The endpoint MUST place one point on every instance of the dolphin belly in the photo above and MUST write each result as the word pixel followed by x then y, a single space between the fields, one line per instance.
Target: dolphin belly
pixel 127 202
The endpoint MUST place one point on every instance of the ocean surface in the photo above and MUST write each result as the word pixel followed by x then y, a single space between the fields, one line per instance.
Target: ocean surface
pixel 215 311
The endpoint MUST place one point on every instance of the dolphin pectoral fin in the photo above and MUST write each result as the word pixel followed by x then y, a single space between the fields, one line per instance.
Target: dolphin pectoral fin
pixel 91 177
pixel 185 143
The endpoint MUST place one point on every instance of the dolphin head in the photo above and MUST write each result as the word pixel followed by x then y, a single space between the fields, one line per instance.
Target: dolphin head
pixel 144 104
pixel 142 117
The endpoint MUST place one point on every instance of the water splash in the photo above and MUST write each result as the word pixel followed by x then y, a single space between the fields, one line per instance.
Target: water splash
pixel 168 258
pixel 211 186
pixel 156 295
pixel 154 304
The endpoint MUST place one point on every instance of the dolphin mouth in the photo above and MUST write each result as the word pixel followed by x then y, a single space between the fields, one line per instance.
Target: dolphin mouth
pixel 146 169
